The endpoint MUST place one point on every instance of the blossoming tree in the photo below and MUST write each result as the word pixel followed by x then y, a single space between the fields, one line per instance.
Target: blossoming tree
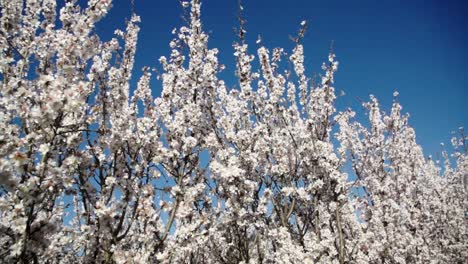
pixel 93 170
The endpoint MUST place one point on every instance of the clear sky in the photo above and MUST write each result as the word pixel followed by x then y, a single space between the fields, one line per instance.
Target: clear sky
pixel 416 47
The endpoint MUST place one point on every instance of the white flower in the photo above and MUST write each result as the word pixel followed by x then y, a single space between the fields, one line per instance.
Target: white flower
pixel 44 148
pixel 288 191
pixel 111 180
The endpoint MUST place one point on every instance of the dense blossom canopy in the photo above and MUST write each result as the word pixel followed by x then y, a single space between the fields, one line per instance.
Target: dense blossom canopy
pixel 93 170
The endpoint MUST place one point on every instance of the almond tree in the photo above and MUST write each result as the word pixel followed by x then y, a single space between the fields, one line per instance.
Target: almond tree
pixel 93 170
pixel 408 204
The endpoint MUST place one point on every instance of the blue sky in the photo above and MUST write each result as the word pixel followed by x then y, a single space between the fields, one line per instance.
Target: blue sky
pixel 416 47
